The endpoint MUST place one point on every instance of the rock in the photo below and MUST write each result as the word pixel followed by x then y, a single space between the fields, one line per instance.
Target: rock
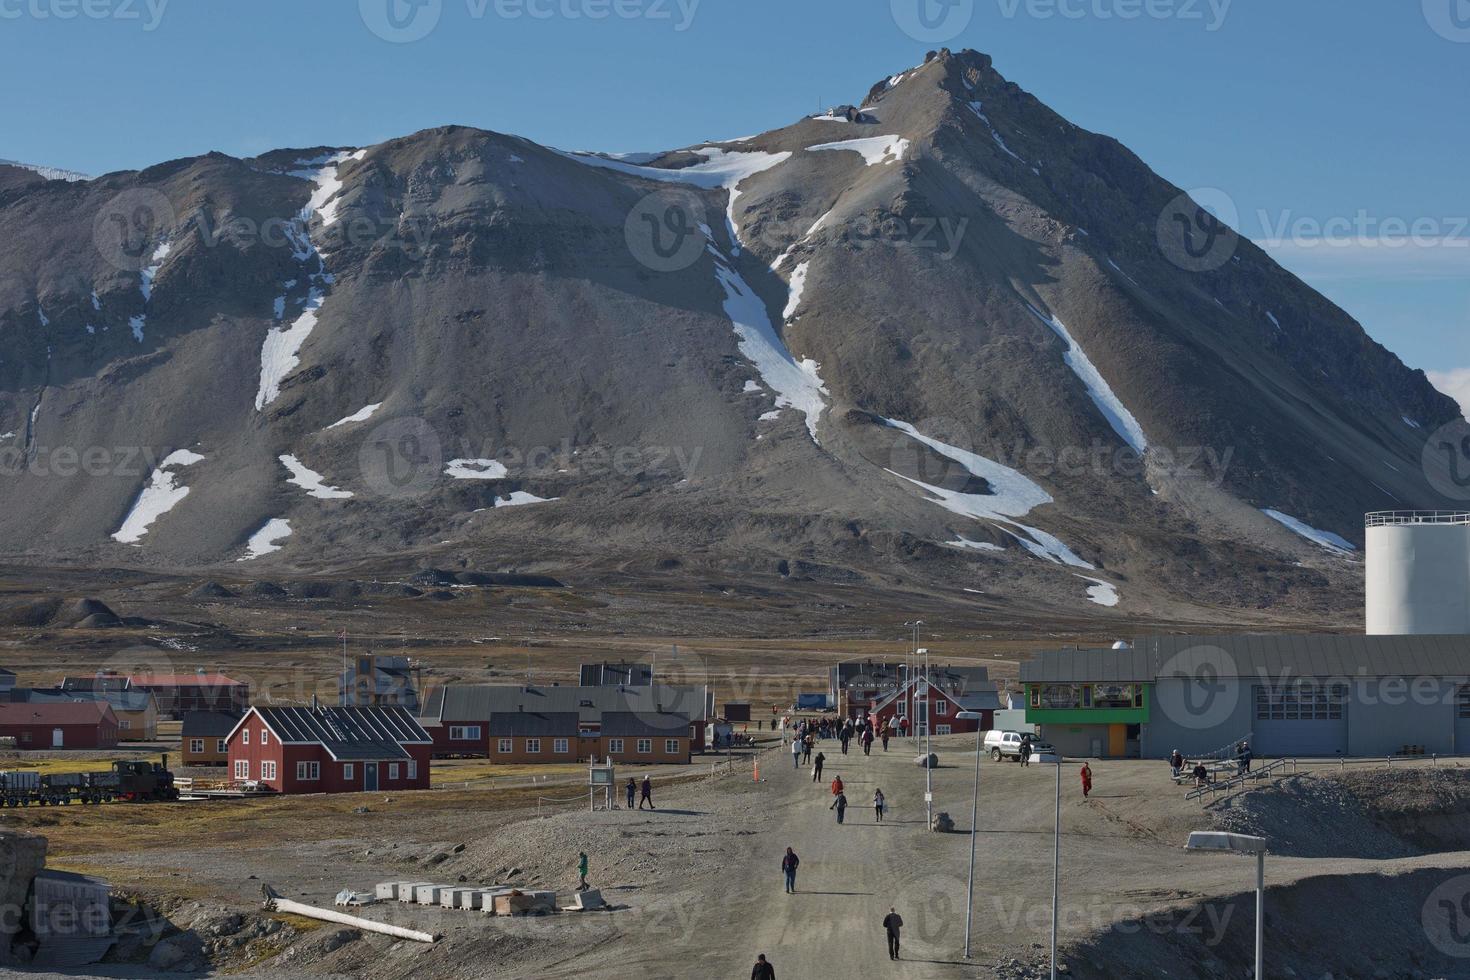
pixel 457 849
pixel 931 760
pixel 21 857
pixel 942 824
pixel 176 954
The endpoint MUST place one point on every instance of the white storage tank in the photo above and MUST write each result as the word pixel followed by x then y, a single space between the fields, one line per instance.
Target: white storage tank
pixel 1418 573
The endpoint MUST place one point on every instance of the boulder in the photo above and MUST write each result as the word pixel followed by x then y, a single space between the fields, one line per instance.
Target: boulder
pixel 930 760
pixel 942 823
pixel 22 856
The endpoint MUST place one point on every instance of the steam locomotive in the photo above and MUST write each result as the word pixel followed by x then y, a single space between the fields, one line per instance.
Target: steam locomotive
pixel 130 781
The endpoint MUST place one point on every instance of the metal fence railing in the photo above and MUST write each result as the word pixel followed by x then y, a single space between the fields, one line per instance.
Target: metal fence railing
pixel 1383 518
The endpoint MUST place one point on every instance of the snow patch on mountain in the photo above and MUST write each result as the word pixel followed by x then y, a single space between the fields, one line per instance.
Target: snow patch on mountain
pixel 874 150
pixel 520 498
pixel 963 542
pixel 361 415
pixel 797 287
pixel 978 109
pixel 50 173
pixel 267 539
pixel 476 469
pixel 1101 393
pixel 162 493
pixel 1101 591
pixel 279 354
pixel 311 481
pixel 1334 543
pixel 797 384
pixel 1012 496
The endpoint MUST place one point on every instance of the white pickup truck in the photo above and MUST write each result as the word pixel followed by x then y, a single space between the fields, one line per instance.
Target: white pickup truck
pixel 1007 745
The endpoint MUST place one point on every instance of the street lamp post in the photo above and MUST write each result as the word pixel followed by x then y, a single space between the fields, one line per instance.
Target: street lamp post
pixel 1056 869
pixel 978 719
pixel 1225 843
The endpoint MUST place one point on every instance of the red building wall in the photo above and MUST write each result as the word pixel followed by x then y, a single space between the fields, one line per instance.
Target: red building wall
pixel 956 725
pixel 102 735
pixel 332 776
pixel 444 746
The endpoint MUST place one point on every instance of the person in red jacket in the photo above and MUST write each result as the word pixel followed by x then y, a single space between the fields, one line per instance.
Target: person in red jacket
pixel 837 786
pixel 1086 780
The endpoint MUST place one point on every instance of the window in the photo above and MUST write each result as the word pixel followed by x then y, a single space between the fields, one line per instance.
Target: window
pixel 124 724
pixel 347 771
pixel 560 745
pixel 941 729
pixel 219 745
pixel 1113 696
pixel 244 736
pixel 504 745
pixel 196 745
pixel 1035 693
pixel 308 770
pixel 533 745
pixel 1302 701
pixel 464 733
pixel 645 746
pixel 392 770
pixel 265 736
pixel 413 769
pixel 242 768
pixel 941 707
pixel 1061 696
pixel 268 769
pixel 614 745
pixel 1462 701
pixel 671 746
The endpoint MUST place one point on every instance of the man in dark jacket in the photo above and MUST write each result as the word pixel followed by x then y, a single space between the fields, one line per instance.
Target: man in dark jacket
pixel 892 923
pixel 817 768
pixel 762 969
pixel 789 863
pixel 647 794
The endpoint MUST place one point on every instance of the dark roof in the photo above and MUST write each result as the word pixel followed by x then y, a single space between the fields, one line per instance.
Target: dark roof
pixel 623 672
pixel 208 724
pixel 183 680
pixel 1276 656
pixel 348 734
pixel 95 682
pixel 56 713
pixel 480 702
pixel 120 700
pixel 638 724
pixel 533 724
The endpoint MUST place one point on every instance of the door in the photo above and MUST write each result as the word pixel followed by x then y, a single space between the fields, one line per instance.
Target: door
pixel 1305 719
pixel 58 738
pixel 370 776
pixel 1117 741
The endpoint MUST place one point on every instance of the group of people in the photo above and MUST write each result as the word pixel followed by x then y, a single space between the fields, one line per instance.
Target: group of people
pixel 806 733
pixel 646 790
pixel 1178 764
pixel 839 801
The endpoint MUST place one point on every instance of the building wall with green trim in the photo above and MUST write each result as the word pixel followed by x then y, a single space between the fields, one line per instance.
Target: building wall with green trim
pixel 1089 716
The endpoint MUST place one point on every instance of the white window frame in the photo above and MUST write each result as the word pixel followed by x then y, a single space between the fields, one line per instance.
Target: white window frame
pixel 308 771
pixel 196 745
pixel 124 724
pixel 267 769
pixel 347 771
pixel 413 769
pixel 533 746
pixel 392 770
pixel 942 730
pixel 244 736
pixel 506 745
pixel 645 746
pixel 242 768
pixel 671 746
pixel 561 746
pixel 220 745
pixel 614 745
pixel 265 736
pixel 464 733
pixel 941 707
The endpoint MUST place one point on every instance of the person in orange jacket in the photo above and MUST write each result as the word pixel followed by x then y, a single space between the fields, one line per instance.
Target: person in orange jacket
pixel 837 786
pixel 1086 780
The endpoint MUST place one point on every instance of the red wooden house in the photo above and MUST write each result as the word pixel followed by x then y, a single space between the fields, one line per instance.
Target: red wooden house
pixel 330 750
pixel 921 700
pixel 59 725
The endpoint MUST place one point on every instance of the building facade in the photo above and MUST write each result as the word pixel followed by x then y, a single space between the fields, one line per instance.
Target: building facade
pixel 329 750
pixel 178 694
pixel 532 737
pixel 59 725
pixel 1289 695
pixel 205 738
pixel 923 702
pixel 373 680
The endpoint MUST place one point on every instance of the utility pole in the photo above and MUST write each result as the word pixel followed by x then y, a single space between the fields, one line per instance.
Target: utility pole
pixel 344 668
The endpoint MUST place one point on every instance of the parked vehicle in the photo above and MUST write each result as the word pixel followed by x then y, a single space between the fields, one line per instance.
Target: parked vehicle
pixel 1007 745
pixel 129 780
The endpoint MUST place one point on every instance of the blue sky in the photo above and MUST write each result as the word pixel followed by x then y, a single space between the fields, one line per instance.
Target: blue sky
pixel 1315 117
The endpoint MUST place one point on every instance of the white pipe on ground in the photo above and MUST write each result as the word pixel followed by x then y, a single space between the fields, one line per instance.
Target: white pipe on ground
pixel 279 904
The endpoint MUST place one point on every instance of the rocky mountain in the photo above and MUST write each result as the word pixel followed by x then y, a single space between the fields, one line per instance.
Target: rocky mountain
pixel 943 339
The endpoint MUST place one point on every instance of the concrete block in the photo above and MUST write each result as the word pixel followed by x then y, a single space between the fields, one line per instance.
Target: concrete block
pixel 462 898
pixel 586 900
pixel 388 891
pixel 408 890
pixel 428 894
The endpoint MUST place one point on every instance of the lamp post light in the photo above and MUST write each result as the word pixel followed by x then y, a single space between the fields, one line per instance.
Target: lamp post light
pixel 913 688
pixel 1225 843
pixel 978 719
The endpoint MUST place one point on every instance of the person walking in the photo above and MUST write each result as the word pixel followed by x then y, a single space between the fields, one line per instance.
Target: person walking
pixel 795 753
pixel 789 863
pixel 817 767
pixel 879 802
pixel 838 785
pixel 886 734
pixel 582 871
pixel 840 805
pixel 806 748
pixel 763 970
pixel 1086 780
pixel 843 739
pixel 1244 757
pixel 867 741
pixel 1026 752
pixel 647 796
pixel 892 923
pixel 632 789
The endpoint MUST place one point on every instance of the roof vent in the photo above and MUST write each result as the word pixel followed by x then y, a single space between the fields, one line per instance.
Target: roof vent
pixel 1121 645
